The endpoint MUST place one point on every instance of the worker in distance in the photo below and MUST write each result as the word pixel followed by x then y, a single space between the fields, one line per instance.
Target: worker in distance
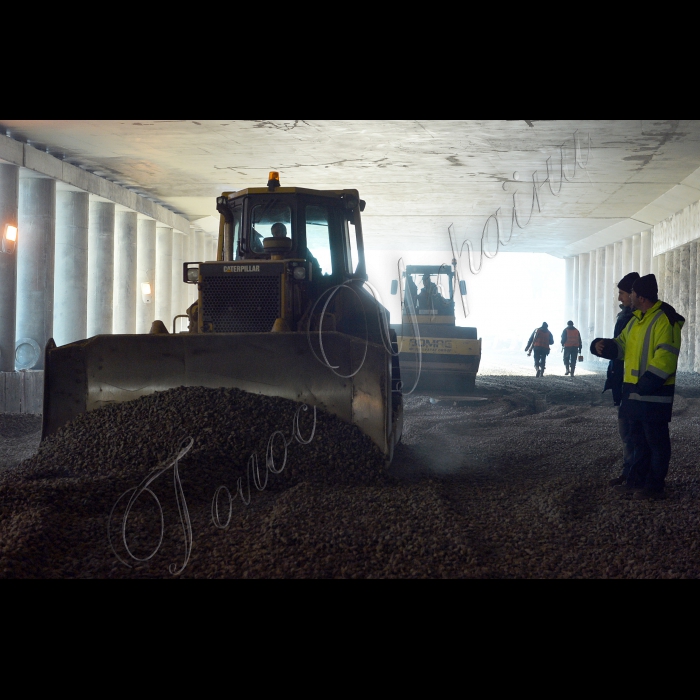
pixel 538 344
pixel 572 345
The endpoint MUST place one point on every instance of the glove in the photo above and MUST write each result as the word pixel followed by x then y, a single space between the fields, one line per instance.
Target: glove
pixel 609 348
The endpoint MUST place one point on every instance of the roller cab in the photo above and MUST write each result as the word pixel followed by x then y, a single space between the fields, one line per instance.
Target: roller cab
pixel 443 357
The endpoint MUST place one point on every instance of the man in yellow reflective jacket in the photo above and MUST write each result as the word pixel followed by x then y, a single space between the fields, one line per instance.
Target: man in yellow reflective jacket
pixel 649 345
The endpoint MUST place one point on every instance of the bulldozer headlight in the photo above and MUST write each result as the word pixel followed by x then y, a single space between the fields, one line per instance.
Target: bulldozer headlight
pixel 299 273
pixel 9 238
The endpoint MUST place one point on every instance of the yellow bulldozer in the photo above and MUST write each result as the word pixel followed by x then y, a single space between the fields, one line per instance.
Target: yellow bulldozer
pixel 283 311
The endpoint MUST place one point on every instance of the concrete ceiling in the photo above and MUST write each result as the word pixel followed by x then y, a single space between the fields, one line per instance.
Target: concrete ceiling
pixel 417 177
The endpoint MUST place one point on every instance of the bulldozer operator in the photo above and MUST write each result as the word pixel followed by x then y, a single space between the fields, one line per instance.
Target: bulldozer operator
pixel 431 300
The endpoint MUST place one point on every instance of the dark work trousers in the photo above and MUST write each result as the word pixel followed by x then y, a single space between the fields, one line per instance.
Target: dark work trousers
pixel 624 425
pixel 570 357
pixel 540 357
pixel 652 453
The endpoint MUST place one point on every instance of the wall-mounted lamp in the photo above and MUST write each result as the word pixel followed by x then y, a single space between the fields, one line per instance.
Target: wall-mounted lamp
pixel 9 238
pixel 146 294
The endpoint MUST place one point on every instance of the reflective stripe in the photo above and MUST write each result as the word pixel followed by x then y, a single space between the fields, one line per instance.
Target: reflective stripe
pixel 647 342
pixel 635 372
pixel 653 399
pixel 670 348
pixel 541 339
pixel 573 338
pixel 658 372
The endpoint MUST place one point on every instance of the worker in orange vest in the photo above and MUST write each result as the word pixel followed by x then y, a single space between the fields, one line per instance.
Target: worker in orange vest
pixel 572 345
pixel 539 343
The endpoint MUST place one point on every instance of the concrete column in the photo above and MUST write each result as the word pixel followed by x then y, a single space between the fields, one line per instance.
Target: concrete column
pixel 126 286
pixel 660 274
pixel 697 309
pixel 190 257
pixel 668 277
pixel 145 273
pixel 178 305
pixel 36 251
pixel 575 310
pixel 210 248
pixel 645 264
pixel 617 265
pixel 569 286
pixel 627 258
pixel 600 295
pixel 692 305
pixel 617 276
pixel 583 267
pixel 610 292
pixel 71 277
pixel 637 252
pixel 590 323
pixel 199 246
pixel 164 275
pixel 9 215
pixel 100 303
pixel 676 277
pixel 683 307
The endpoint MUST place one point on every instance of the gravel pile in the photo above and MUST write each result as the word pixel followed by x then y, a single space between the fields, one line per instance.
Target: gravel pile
pixel 514 486
pixel 20 434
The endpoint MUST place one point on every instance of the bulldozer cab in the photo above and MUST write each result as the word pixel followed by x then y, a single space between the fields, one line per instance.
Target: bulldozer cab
pixel 320 226
pixel 291 245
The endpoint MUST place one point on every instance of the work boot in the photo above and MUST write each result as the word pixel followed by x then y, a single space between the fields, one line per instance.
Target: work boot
pixel 542 372
pixel 626 489
pixel 648 495
pixel 572 372
pixel 618 481
pixel 567 370
pixel 538 373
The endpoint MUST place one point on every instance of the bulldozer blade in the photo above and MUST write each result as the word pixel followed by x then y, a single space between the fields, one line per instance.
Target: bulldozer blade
pixel 88 374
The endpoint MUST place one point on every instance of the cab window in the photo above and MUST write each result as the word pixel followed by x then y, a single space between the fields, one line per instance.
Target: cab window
pixel 236 231
pixel 318 237
pixel 271 219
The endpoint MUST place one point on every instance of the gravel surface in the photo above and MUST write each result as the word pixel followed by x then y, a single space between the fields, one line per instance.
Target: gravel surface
pixel 513 486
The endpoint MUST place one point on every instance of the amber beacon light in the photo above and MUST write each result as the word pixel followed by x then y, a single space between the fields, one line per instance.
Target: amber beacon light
pixel 273 180
pixel 9 238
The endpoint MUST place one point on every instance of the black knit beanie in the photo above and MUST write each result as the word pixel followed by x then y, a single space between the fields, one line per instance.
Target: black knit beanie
pixel 625 284
pixel 646 287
